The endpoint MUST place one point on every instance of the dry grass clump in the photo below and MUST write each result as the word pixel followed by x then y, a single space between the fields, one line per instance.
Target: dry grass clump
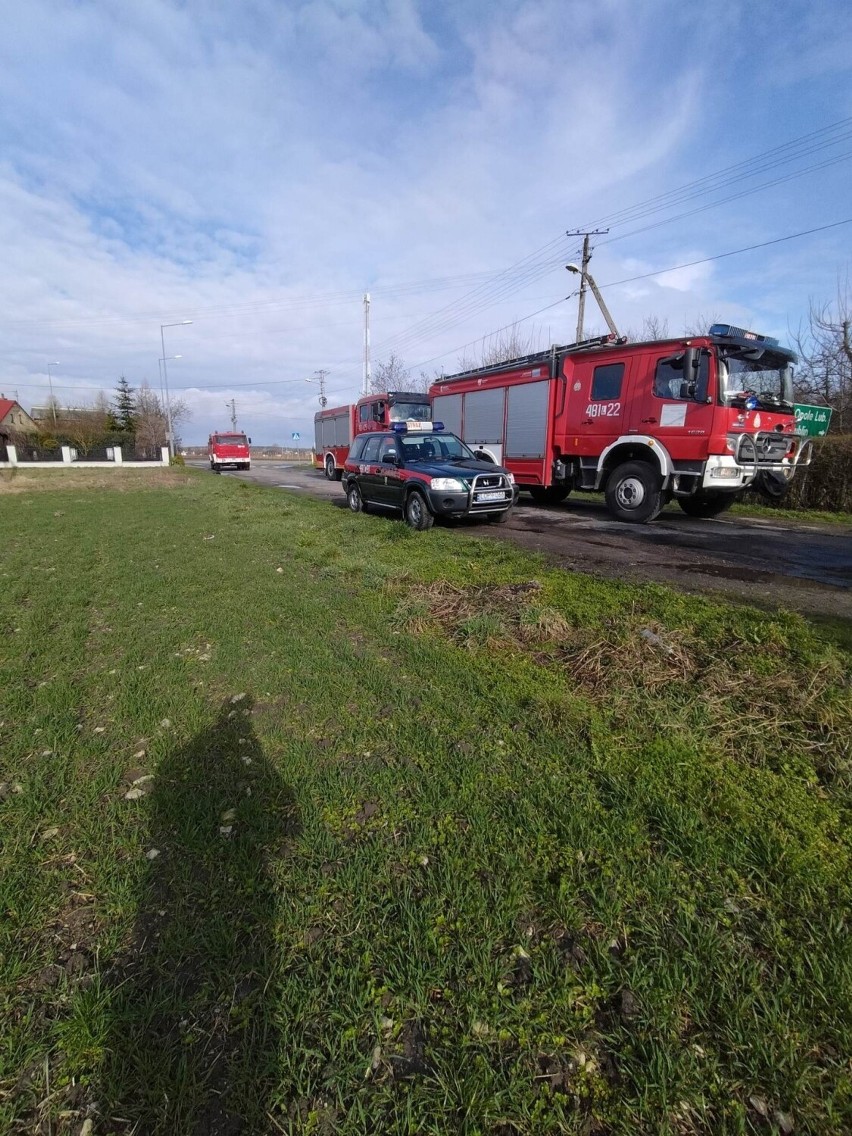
pixel 64 477
pixel 755 701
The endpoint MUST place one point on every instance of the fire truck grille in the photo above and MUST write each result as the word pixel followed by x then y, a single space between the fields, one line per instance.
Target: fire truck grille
pixel 771 447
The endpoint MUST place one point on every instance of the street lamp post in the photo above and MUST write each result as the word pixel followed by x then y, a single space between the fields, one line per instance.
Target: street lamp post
pixel 50 383
pixel 160 368
pixel 171 440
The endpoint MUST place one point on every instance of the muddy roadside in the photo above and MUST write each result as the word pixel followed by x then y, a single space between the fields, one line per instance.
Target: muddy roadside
pixel 750 561
pixel 798 566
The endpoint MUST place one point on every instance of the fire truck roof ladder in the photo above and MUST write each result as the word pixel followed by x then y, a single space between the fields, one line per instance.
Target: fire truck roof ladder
pixel 538 357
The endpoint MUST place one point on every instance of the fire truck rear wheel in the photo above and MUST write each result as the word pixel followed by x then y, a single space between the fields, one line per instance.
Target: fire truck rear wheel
pixel 330 471
pixel 549 495
pixel 706 504
pixel 417 514
pixel 634 493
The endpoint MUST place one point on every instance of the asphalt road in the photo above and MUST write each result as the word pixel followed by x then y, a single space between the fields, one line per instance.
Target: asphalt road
pixel 802 566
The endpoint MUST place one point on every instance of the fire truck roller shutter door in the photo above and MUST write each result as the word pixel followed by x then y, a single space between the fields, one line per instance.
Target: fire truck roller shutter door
pixel 526 420
pixel 483 423
pixel 341 429
pixel 483 416
pixel 447 408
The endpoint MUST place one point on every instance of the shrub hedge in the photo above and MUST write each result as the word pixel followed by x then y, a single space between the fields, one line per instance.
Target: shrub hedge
pixel 827 483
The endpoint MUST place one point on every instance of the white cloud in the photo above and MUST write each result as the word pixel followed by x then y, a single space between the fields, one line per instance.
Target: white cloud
pixel 166 161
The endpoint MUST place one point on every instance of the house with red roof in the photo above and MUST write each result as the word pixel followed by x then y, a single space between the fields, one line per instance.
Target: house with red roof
pixel 14 421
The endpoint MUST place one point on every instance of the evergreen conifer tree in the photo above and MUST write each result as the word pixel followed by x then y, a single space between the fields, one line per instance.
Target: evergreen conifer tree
pixel 125 407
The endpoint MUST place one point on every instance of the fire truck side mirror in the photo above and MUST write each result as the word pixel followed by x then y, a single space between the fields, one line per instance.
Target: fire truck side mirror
pixel 694 375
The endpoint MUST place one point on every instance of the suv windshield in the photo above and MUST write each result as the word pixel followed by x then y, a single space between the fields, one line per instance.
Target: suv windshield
pixel 402 411
pixel 433 447
pixel 769 379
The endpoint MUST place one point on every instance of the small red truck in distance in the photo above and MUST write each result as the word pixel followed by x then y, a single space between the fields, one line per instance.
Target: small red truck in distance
pixel 336 426
pixel 229 451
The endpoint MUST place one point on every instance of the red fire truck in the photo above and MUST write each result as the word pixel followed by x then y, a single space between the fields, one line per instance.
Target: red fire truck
pixel 229 450
pixel 696 419
pixel 335 427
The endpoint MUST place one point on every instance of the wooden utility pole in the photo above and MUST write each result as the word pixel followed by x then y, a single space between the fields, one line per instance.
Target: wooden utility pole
pixel 584 274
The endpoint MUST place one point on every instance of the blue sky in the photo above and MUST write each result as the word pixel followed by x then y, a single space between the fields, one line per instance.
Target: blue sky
pixel 256 166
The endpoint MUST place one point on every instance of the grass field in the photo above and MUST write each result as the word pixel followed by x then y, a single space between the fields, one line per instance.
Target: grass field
pixel 311 824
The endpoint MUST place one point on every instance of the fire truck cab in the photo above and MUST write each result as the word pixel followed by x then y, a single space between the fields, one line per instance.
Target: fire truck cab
pixel 336 427
pixel 696 419
pixel 229 450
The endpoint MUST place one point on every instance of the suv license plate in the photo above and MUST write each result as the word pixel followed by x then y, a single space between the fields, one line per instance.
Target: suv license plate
pixel 496 495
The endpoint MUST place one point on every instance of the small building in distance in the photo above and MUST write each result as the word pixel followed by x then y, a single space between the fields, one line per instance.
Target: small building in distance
pixel 14 421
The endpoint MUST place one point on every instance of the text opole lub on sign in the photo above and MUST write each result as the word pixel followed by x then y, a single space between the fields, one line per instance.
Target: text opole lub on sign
pixel 812 420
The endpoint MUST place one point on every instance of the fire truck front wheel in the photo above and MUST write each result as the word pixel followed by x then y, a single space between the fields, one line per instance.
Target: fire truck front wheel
pixel 706 504
pixel 634 492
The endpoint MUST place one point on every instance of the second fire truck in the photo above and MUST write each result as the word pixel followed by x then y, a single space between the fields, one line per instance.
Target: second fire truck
pixel 696 419
pixel 335 427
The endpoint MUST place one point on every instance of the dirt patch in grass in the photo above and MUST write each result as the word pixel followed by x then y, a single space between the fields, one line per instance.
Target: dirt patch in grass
pixel 118 479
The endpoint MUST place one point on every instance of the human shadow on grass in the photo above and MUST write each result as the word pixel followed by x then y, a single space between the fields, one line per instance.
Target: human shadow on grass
pixel 192 1043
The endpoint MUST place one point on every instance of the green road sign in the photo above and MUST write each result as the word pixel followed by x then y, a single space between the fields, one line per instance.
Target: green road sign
pixel 812 420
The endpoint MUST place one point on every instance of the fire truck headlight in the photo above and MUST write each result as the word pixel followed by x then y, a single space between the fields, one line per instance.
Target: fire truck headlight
pixel 448 485
pixel 731 441
pixel 726 472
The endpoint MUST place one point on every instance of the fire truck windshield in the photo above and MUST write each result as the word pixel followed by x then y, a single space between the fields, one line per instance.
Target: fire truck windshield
pixel 231 439
pixel 768 378
pixel 402 411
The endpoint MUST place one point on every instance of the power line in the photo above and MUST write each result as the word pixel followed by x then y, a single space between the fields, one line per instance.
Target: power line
pixel 644 276
pixel 720 178
pixel 734 252
pixel 732 197
pixel 711 183
pixel 521 319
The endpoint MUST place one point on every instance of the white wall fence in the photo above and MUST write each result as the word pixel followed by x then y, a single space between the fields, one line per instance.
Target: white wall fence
pixel 69 458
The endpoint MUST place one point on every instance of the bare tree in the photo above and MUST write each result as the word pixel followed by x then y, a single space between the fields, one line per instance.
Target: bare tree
pixel 701 324
pixel 150 423
pixel 389 374
pixel 824 346
pixel 508 343
pixel 180 416
pixel 653 328
pixel 85 426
